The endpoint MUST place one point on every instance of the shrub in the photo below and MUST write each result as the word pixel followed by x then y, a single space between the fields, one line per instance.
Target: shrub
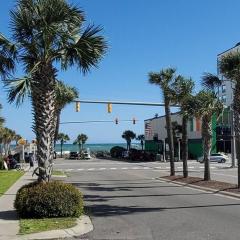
pixel 117 151
pixel 45 200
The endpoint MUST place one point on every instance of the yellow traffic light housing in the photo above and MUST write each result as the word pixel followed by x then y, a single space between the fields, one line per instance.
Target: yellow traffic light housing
pixel 109 107
pixel 77 106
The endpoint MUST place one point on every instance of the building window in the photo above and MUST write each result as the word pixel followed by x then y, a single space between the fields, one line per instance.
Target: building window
pixel 224 98
pixel 223 88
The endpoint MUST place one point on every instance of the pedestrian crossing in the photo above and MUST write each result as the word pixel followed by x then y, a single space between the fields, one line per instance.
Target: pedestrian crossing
pixel 130 168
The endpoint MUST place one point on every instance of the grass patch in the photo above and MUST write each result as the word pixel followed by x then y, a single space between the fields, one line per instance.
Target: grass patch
pixel 28 226
pixel 8 178
pixel 58 173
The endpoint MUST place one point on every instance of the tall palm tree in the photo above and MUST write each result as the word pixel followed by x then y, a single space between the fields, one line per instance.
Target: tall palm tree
pixel 164 79
pixel 49 32
pixel 65 94
pixel 141 138
pixel 62 138
pixel 183 88
pixel 80 141
pixel 7 136
pixel 128 135
pixel 205 104
pixel 229 67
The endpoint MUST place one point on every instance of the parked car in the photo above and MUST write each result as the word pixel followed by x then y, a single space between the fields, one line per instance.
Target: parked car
pixel 73 155
pixel 215 157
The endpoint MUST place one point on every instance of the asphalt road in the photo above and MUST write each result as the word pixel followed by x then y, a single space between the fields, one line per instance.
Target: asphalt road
pixel 126 201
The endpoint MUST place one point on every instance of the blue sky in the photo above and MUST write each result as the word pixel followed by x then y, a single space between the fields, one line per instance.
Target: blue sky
pixel 143 36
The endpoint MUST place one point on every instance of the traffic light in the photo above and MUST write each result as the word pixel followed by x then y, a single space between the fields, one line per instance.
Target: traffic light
pixel 116 120
pixel 77 106
pixel 134 121
pixel 109 107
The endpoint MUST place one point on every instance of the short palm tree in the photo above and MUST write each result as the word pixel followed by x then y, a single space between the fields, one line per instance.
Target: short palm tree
pixel 64 95
pixel 80 141
pixel 128 135
pixel 7 136
pixel 205 105
pixel 49 32
pixel 183 88
pixel 62 138
pixel 164 80
pixel 141 138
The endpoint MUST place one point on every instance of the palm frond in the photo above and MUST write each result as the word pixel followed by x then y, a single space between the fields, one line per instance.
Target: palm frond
pixel 18 89
pixel 86 51
pixel 210 81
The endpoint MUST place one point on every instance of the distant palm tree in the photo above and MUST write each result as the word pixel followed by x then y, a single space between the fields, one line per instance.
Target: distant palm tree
pixel 205 104
pixel 62 138
pixel 80 141
pixel 128 135
pixel 6 137
pixel 64 95
pixel 164 80
pixel 49 32
pixel 183 88
pixel 141 138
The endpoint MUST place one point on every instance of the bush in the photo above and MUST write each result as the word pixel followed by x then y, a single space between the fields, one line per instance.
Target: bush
pixel 117 151
pixel 45 200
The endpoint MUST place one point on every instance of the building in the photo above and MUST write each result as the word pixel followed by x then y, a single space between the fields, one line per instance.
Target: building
pixel 156 135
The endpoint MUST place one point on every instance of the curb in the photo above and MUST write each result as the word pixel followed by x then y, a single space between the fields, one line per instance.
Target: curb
pixel 84 225
pixel 212 190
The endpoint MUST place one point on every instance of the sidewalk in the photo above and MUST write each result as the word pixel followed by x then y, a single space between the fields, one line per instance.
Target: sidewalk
pixel 9 225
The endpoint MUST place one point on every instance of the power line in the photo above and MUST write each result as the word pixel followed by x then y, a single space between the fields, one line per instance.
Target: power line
pixel 97 121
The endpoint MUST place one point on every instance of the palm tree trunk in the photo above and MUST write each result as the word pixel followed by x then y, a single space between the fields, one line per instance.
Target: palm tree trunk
pixel 207 143
pixel 61 148
pixel 58 113
pixel 142 144
pixel 43 101
pixel 185 146
pixel 236 108
pixel 170 136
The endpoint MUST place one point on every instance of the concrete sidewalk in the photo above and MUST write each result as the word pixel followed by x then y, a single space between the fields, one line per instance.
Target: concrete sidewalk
pixel 9 222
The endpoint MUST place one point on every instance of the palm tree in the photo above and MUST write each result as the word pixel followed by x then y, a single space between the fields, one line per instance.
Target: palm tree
pixel 128 135
pixel 141 138
pixel 229 67
pixel 164 79
pixel 49 32
pixel 62 138
pixel 183 88
pixel 205 104
pixel 80 141
pixel 64 95
pixel 7 57
pixel 7 136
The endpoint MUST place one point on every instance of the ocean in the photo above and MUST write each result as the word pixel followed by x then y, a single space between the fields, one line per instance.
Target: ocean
pixel 94 147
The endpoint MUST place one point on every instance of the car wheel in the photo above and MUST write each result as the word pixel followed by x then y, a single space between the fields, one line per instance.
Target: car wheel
pixel 223 160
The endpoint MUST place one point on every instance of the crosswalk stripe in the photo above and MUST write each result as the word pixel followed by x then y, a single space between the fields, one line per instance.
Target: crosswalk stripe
pixel 91 169
pixel 80 169
pixel 113 168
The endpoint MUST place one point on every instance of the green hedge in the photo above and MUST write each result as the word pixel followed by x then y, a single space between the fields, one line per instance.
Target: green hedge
pixel 45 200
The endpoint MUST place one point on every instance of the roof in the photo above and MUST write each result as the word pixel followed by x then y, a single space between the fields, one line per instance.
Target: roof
pixel 161 116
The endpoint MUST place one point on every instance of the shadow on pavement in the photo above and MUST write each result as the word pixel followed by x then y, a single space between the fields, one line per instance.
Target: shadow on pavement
pixel 9 215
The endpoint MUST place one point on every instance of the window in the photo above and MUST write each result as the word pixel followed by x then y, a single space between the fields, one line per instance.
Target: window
pixel 223 88
pixel 224 98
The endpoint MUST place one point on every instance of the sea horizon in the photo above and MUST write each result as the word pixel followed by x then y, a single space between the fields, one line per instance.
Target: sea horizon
pixel 94 146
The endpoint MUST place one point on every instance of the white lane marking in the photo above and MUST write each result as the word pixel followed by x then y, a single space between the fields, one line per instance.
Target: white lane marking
pixel 80 169
pixel 146 167
pixel 167 167
pixel 179 167
pixel 103 168
pixel 124 168
pixel 190 167
pixel 212 167
pixel 158 167
pixel 113 168
pixel 135 168
pixel 201 167
pixel 90 169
